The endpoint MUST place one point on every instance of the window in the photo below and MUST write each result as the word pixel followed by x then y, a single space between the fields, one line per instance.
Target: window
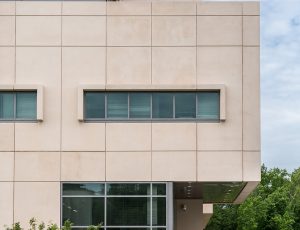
pixel 198 105
pixel 18 105
pixel 115 205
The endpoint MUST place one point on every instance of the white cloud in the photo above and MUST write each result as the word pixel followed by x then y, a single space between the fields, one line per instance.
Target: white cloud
pixel 280 82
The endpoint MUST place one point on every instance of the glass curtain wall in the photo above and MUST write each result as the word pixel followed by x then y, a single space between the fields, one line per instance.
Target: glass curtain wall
pixel 115 205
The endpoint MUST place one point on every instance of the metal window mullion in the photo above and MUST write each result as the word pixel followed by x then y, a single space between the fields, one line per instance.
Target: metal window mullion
pixel 105 105
pixel 15 105
pixel 151 206
pixel 196 105
pixel 128 104
pixel 151 104
pixel 174 109
pixel 105 204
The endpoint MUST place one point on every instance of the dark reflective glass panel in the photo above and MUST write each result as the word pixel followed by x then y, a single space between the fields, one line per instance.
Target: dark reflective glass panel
pixel 162 105
pixel 185 105
pixel 128 211
pixel 128 228
pixel 87 189
pixel 128 189
pixel 83 211
pixel 158 211
pixel 117 105
pixel 94 104
pixel 158 189
pixel 6 105
pixel 26 105
pixel 208 105
pixel 139 106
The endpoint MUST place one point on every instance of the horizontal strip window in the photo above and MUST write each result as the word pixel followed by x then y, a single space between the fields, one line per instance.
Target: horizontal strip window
pixel 164 105
pixel 18 105
pixel 115 205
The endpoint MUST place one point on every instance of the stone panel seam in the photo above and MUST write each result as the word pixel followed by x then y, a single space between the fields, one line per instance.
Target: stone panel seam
pixel 196 87
pixel 95 46
pixel 15 76
pixel 61 87
pixel 242 94
pixel 105 127
pixel 151 161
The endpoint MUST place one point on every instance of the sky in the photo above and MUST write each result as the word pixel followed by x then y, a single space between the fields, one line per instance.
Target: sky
pixel 280 83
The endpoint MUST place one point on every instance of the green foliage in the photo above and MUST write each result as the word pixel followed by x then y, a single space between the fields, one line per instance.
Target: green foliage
pixel 33 225
pixel 274 205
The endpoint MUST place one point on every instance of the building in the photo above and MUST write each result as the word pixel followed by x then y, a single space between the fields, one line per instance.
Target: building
pixel 138 114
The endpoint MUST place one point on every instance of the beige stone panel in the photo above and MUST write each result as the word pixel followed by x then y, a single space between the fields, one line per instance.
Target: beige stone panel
pixel 129 30
pixel 173 136
pixel 174 166
pixel 84 8
pixel 83 166
pixel 222 65
pixel 6 204
pixel 219 30
pixel 38 7
pixel 174 30
pixel 129 8
pixel 128 137
pixel 251 99
pixel 7 65
pixel 84 31
pixel 7 30
pixel 40 65
pixel 219 8
pixel 128 166
pixel 251 166
pixel 6 166
pixel 251 8
pixel 81 65
pixel 7 8
pixel 251 31
pixel 173 8
pixel 41 200
pixel 219 166
pixel 38 30
pixel 7 137
pixel 37 166
pixel 174 65
pixel 129 65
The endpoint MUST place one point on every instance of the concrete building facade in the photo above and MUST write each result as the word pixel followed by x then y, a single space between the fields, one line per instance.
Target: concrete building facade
pixel 54 160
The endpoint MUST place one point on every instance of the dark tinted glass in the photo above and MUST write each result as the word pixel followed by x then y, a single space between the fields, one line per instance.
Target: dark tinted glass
pixel 140 105
pixel 128 211
pixel 91 189
pixel 159 189
pixel 185 105
pixel 6 105
pixel 128 228
pixel 94 103
pixel 158 211
pixel 117 105
pixel 208 107
pixel 128 189
pixel 83 211
pixel 162 105
pixel 26 105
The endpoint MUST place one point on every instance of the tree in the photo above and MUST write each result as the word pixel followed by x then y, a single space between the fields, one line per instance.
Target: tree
pixel 275 204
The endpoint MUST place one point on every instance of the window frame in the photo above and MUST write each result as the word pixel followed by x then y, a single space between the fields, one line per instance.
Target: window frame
pixel 15 118
pixel 15 88
pixel 151 119
pixel 168 204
